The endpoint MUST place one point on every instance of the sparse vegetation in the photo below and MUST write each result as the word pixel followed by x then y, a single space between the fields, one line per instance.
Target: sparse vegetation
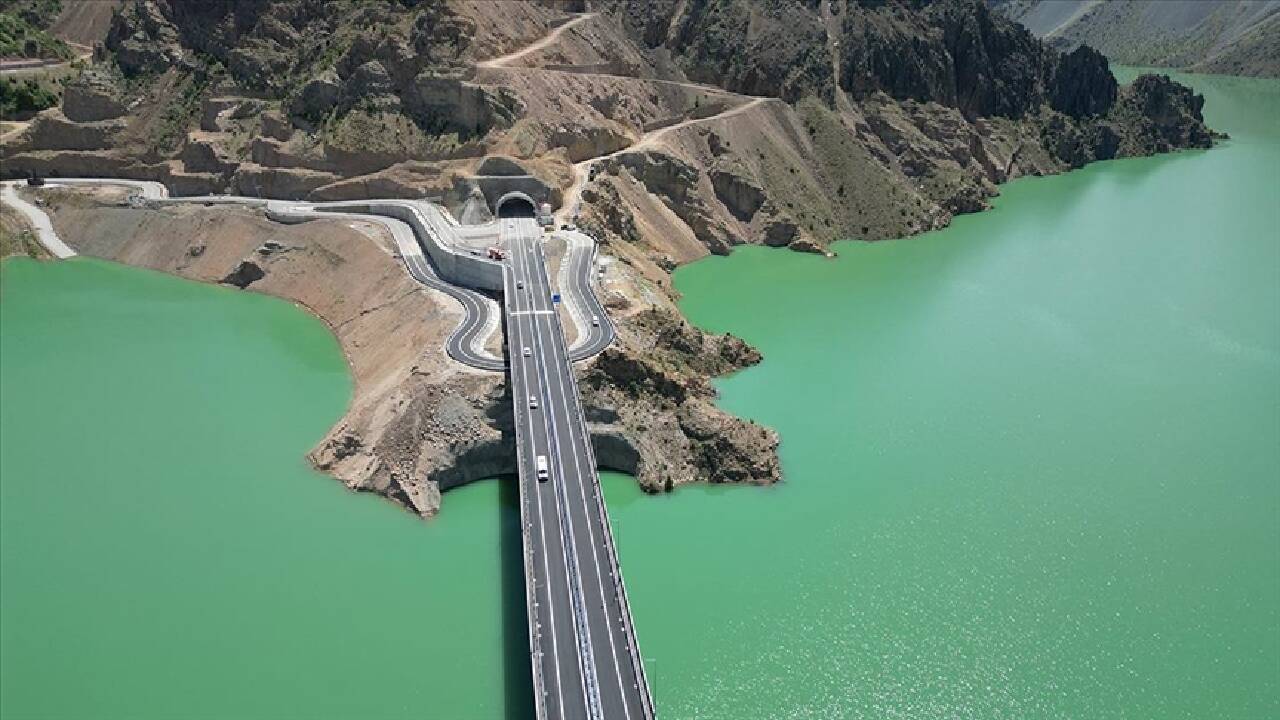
pixel 21 97
pixel 171 127
pixel 23 30
pixel 16 236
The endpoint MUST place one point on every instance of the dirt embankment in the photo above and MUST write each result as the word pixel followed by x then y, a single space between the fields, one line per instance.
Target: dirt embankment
pixel 17 237
pixel 683 128
pixel 85 22
pixel 420 423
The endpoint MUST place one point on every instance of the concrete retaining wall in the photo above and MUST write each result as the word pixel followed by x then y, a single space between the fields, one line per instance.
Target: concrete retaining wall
pixel 459 268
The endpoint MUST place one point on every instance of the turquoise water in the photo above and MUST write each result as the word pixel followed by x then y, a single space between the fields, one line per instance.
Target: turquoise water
pixel 1032 460
pixel 1032 472
pixel 165 552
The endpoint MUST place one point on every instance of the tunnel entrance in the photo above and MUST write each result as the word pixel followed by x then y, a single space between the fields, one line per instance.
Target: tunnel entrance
pixel 516 205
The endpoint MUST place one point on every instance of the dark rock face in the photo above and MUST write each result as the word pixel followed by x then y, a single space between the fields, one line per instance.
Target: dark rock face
pixel 635 376
pixel 318 96
pixel 652 408
pixel 781 232
pixel 738 193
pixel 1152 115
pixel 960 54
pixel 952 53
pixel 442 103
pixel 204 157
pixel 1083 85
pixel 1172 113
pixel 245 274
pixel 143 40
pixel 500 165
pixel 612 218
pixel 291 50
pixel 675 182
pixel 91 97
pixel 769 47
pixel 956 53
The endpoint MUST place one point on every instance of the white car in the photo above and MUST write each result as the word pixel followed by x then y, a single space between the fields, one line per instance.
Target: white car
pixel 519 284
pixel 528 352
pixel 595 321
pixel 533 403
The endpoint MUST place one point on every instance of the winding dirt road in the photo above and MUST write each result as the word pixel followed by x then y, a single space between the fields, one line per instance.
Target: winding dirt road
pixel 582 169
pixel 548 39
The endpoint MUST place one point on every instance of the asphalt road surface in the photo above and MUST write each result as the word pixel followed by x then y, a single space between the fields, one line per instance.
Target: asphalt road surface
pixel 585 658
pixel 586 663
pixel 465 344
pixel 595 331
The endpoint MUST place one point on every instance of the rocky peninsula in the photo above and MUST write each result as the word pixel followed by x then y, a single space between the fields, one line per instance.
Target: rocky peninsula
pixel 668 130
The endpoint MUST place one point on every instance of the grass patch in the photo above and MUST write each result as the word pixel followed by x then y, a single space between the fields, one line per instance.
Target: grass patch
pixel 17 237
pixel 23 34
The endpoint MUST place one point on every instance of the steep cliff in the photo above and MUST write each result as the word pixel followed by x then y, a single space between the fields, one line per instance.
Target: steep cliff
pixel 919 110
pixel 1235 37
pixel 670 128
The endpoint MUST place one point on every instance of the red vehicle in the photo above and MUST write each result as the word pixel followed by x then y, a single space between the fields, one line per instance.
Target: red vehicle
pixel 496 254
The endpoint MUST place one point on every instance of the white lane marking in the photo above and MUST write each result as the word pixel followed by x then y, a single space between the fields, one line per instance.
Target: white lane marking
pixel 564 555
pixel 546 565
pixel 602 517
pixel 586 657
pixel 557 342
pixel 579 598
pixel 534 312
pixel 604 594
pixel 627 624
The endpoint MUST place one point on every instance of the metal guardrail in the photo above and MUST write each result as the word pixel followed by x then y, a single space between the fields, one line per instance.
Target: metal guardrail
pixel 157 192
pixel 615 568
pixel 530 589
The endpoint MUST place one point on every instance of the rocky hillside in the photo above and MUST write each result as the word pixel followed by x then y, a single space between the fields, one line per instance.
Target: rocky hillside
pixel 917 111
pixel 25 30
pixel 1233 37
pixel 669 128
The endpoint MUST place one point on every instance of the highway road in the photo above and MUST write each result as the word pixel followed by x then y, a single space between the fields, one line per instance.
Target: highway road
pixel 481 313
pixel 585 658
pixel 595 331
pixel 586 663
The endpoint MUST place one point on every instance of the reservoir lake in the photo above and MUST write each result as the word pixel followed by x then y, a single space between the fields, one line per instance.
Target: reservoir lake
pixel 1032 471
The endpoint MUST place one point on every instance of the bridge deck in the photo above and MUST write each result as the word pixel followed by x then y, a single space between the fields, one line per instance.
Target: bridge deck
pixel 586 663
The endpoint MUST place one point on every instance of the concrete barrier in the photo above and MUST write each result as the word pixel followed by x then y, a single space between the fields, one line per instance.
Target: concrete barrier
pixel 456 266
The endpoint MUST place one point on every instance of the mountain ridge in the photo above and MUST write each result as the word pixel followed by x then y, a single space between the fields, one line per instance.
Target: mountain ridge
pixel 1233 37
pixel 668 130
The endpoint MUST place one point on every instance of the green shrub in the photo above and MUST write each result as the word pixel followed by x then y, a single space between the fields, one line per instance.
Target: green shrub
pixel 24 97
pixel 20 38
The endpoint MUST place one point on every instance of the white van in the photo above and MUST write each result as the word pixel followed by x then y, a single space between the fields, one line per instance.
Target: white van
pixel 543 473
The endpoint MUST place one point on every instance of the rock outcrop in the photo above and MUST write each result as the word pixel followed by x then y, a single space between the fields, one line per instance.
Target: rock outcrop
pixel 92 96
pixel 755 48
pixel 651 396
pixel 788 123
pixel 1233 37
